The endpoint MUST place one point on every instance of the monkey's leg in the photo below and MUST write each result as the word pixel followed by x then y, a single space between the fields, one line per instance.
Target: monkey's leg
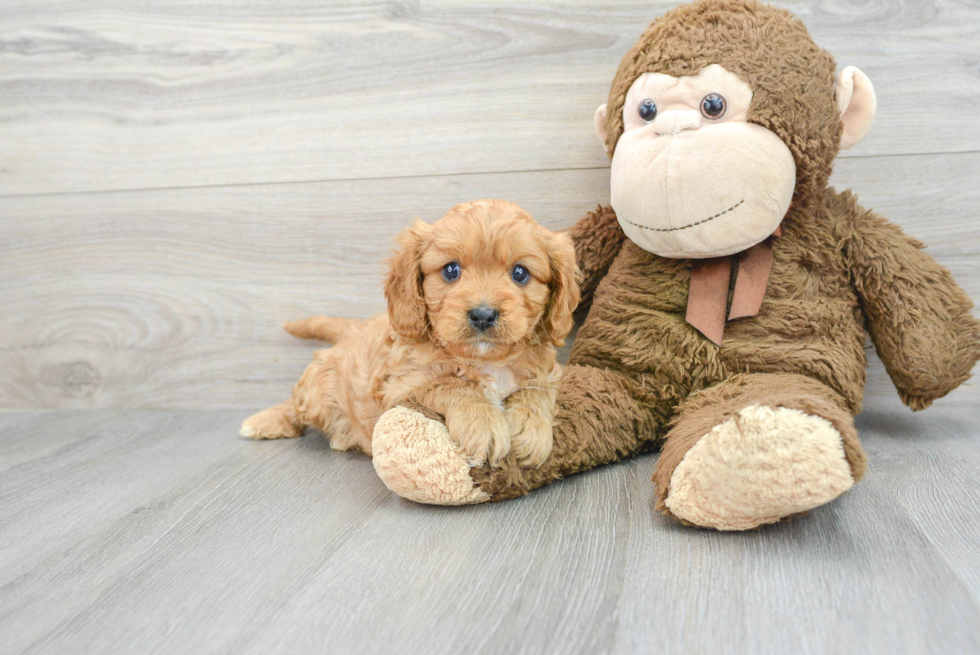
pixel 755 449
pixel 603 416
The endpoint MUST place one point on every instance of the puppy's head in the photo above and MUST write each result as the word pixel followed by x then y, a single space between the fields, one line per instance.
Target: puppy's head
pixel 482 281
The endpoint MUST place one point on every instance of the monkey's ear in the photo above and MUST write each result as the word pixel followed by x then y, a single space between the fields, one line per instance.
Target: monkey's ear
pixel 600 125
pixel 403 286
pixel 856 102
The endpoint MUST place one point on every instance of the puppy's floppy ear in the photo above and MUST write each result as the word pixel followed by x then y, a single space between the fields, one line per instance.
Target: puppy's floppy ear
pixel 403 286
pixel 564 287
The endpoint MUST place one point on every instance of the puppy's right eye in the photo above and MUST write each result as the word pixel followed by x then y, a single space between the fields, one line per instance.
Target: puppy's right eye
pixel 450 271
pixel 520 274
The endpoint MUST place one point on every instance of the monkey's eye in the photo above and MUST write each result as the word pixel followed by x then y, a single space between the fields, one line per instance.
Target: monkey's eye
pixel 713 106
pixel 520 274
pixel 450 271
pixel 647 110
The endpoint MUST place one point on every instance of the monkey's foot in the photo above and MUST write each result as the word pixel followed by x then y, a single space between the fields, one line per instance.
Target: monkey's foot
pixel 760 466
pixel 416 458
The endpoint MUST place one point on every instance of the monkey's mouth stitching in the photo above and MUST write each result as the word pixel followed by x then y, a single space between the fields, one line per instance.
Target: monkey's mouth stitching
pixel 684 227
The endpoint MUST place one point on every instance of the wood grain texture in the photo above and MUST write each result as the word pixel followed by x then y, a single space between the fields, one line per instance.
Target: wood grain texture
pixel 932 465
pixel 161 532
pixel 850 577
pixel 157 299
pixel 121 95
pixel 178 178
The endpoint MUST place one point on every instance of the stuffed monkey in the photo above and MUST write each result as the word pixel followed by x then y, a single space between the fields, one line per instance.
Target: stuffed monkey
pixel 729 289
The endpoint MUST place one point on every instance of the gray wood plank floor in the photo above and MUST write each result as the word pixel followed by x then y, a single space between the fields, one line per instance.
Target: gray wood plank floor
pixel 160 532
pixel 178 178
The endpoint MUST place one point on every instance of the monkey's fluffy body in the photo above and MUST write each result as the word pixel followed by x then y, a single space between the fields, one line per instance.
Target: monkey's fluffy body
pixel 641 367
pixel 761 427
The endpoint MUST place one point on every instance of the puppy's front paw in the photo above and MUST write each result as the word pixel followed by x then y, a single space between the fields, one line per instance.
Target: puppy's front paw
pixel 531 435
pixel 482 432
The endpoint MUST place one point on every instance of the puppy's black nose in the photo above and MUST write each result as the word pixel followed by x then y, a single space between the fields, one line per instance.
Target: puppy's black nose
pixel 483 318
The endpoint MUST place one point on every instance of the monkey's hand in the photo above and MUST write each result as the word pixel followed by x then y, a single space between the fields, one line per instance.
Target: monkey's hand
pixel 918 317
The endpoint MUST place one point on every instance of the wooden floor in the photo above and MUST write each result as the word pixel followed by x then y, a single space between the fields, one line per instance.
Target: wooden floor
pixel 179 178
pixel 140 531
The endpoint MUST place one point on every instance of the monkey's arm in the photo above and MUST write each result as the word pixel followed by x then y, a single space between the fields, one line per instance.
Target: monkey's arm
pixel 598 239
pixel 918 317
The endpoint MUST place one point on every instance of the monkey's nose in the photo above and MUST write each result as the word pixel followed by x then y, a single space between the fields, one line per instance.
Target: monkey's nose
pixel 677 120
pixel 483 317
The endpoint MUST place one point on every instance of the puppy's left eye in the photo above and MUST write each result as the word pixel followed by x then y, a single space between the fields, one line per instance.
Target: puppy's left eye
pixel 450 271
pixel 520 274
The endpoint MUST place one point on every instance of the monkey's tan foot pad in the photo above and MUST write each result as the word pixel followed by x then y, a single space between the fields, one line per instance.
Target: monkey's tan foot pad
pixel 416 458
pixel 758 467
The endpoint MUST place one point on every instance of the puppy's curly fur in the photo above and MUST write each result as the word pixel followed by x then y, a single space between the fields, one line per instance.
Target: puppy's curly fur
pixel 495 378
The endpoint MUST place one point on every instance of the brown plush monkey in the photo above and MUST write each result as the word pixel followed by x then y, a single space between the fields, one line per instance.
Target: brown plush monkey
pixel 737 352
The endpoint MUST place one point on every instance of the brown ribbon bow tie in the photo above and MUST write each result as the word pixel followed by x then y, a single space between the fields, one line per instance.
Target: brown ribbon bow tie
pixel 708 293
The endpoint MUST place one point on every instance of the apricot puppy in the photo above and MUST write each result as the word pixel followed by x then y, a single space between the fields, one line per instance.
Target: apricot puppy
pixel 477 302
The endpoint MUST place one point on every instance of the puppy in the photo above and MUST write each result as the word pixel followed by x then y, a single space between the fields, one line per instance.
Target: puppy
pixel 477 302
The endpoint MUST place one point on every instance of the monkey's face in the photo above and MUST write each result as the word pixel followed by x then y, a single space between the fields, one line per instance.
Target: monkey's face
pixel 690 177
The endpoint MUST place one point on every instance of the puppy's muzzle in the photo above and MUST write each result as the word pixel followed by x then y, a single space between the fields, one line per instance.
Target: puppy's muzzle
pixel 482 318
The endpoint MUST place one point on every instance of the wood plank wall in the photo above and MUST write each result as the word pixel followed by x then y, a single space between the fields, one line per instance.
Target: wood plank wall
pixel 178 178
